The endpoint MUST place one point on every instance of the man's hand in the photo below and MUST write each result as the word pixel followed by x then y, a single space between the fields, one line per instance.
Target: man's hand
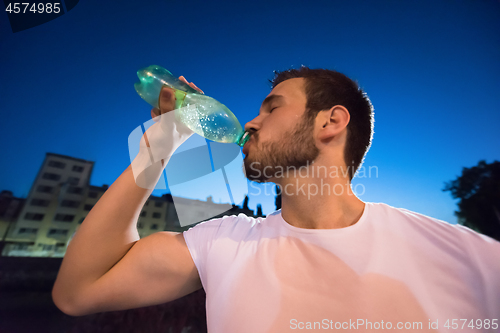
pixel 166 103
pixel 167 98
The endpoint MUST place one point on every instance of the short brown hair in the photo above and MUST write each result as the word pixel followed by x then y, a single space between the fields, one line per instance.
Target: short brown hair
pixel 326 88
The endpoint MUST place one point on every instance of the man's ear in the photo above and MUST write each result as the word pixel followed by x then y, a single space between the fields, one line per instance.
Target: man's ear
pixel 333 121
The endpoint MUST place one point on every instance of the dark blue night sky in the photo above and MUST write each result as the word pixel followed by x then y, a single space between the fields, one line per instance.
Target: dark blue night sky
pixel 431 69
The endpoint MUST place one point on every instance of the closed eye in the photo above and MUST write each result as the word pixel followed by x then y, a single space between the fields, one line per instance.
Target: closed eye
pixel 272 109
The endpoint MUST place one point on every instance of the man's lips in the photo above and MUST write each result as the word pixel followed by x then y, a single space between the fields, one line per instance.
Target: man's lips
pixel 245 148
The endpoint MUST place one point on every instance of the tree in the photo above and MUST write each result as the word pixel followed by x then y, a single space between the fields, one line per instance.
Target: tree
pixel 259 210
pixel 277 200
pixel 478 189
pixel 245 202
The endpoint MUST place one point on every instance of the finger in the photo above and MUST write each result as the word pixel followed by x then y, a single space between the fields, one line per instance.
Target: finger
pixel 192 85
pixel 155 113
pixel 167 100
pixel 195 87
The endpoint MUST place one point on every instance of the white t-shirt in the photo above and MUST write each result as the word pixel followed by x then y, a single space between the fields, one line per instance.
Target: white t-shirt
pixel 392 270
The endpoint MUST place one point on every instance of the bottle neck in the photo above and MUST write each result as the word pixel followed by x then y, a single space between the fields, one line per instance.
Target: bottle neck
pixel 243 139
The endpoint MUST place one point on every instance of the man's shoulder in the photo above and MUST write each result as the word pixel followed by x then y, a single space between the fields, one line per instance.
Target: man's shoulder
pixel 429 227
pixel 240 225
pixel 225 221
pixel 404 217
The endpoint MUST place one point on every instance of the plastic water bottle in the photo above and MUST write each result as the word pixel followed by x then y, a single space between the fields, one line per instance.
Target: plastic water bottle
pixel 200 113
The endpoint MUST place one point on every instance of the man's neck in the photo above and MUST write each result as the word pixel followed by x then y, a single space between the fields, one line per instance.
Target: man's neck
pixel 319 202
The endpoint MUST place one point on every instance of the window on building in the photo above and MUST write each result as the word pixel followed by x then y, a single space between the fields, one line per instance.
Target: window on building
pixel 33 216
pixel 154 227
pixel 64 217
pixel 57 164
pixel 44 189
pixel 46 247
pixel 70 203
pixel 158 203
pixel 30 231
pixel 92 194
pixel 147 203
pixel 77 168
pixel 39 202
pixel 140 225
pixel 81 220
pixel 21 246
pixel 51 176
pixel 75 190
pixel 156 215
pixel 88 207
pixel 143 214
pixel 57 232
pixel 73 180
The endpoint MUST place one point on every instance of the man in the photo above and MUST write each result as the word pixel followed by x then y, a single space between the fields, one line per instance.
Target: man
pixel 326 260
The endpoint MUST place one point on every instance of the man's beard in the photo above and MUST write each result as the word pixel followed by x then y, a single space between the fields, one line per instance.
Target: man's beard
pixel 296 148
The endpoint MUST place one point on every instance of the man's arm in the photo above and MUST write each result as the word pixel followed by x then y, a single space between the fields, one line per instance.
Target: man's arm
pixel 108 267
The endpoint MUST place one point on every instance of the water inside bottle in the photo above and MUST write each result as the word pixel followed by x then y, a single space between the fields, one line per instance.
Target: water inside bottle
pixel 209 121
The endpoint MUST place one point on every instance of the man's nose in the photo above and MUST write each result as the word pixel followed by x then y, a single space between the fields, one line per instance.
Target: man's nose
pixel 253 125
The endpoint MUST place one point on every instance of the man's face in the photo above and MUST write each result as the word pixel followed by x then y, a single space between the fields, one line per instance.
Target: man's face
pixel 284 135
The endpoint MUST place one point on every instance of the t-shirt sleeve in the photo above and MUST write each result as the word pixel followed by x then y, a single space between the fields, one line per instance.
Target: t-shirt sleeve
pixel 484 254
pixel 199 240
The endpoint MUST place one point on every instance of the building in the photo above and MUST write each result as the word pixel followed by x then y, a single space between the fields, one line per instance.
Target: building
pixel 10 208
pixel 52 209
pixel 158 214
pixel 60 199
